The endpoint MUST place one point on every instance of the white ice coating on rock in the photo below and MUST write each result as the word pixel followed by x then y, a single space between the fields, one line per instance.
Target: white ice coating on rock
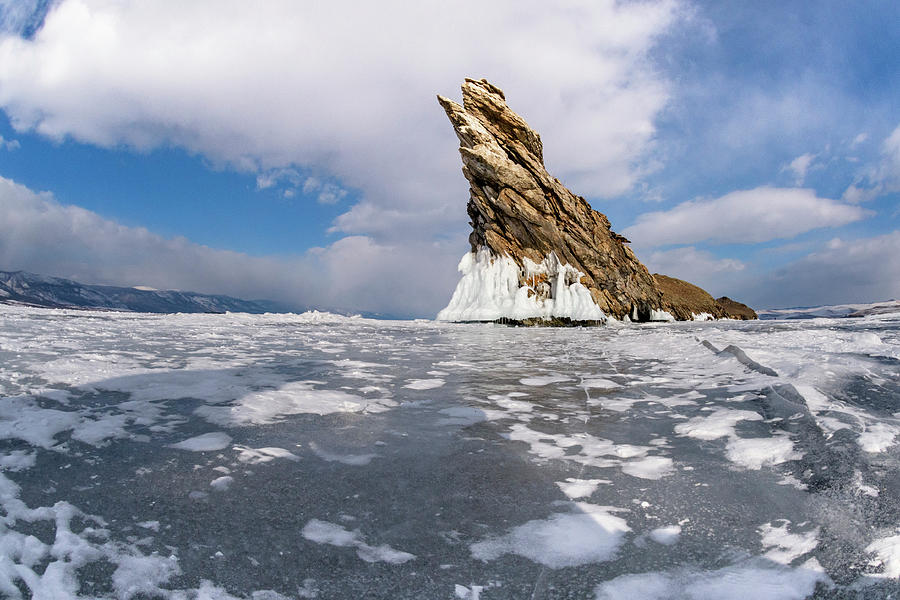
pixel 490 290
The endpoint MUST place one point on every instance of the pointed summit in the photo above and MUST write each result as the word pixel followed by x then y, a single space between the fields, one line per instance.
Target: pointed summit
pixel 538 251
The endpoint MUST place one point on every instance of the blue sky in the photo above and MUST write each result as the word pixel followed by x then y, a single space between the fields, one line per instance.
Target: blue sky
pixel 296 152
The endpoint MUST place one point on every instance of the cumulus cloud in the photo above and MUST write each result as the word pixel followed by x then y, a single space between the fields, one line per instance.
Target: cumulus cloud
pixel 747 216
pixel 355 273
pixel 283 84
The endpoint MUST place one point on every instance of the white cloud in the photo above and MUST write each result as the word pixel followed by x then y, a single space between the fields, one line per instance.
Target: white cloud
pixel 715 275
pixel 747 216
pixel 345 88
pixel 326 193
pixel 9 144
pixel 354 273
pixel 799 167
pixel 883 178
pixel 690 264
pixel 290 180
pixel 273 177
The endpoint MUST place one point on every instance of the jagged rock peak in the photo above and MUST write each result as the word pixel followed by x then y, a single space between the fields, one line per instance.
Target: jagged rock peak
pixel 520 212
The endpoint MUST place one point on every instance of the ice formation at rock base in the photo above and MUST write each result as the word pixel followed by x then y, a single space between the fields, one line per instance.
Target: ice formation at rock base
pixel 494 288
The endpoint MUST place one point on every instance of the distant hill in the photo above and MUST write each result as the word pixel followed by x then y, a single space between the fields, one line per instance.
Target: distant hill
pixel 20 287
pixel 832 311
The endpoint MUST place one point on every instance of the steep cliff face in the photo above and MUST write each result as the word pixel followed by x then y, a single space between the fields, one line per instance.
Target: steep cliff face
pixel 539 252
pixel 518 210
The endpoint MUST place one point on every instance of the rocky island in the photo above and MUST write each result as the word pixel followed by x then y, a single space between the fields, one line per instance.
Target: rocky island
pixel 539 253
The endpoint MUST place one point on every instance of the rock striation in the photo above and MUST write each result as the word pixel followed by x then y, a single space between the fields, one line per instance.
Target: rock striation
pixel 538 251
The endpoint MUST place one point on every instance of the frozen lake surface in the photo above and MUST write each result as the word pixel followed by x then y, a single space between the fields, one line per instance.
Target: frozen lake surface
pixel 315 456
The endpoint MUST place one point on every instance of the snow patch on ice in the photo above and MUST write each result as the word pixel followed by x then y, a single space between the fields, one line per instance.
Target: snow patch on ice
pixel 424 384
pixel 580 488
pixel 878 437
pixel 255 456
pixel 747 582
pixel 323 532
pixel 784 546
pixel 887 550
pixel 49 570
pixel 666 536
pixel 718 423
pixel 22 419
pixel 756 453
pixel 593 451
pixel 151 525
pixel 751 453
pixel 875 435
pixel 540 380
pixel 300 397
pixel 221 484
pixel 217 440
pixel 464 593
pixel 17 460
pixel 590 535
pixel 599 383
pixel 649 467
pixel 355 460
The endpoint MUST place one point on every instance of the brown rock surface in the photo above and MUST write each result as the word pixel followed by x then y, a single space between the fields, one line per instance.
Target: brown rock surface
pixel 518 209
pixel 684 300
pixel 736 310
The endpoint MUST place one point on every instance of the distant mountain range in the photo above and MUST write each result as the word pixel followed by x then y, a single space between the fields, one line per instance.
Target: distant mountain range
pixel 832 311
pixel 20 287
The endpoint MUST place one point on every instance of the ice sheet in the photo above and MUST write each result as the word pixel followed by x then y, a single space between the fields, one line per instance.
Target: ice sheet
pixel 311 419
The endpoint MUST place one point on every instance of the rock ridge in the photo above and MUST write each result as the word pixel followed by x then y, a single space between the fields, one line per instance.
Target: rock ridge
pixel 518 211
